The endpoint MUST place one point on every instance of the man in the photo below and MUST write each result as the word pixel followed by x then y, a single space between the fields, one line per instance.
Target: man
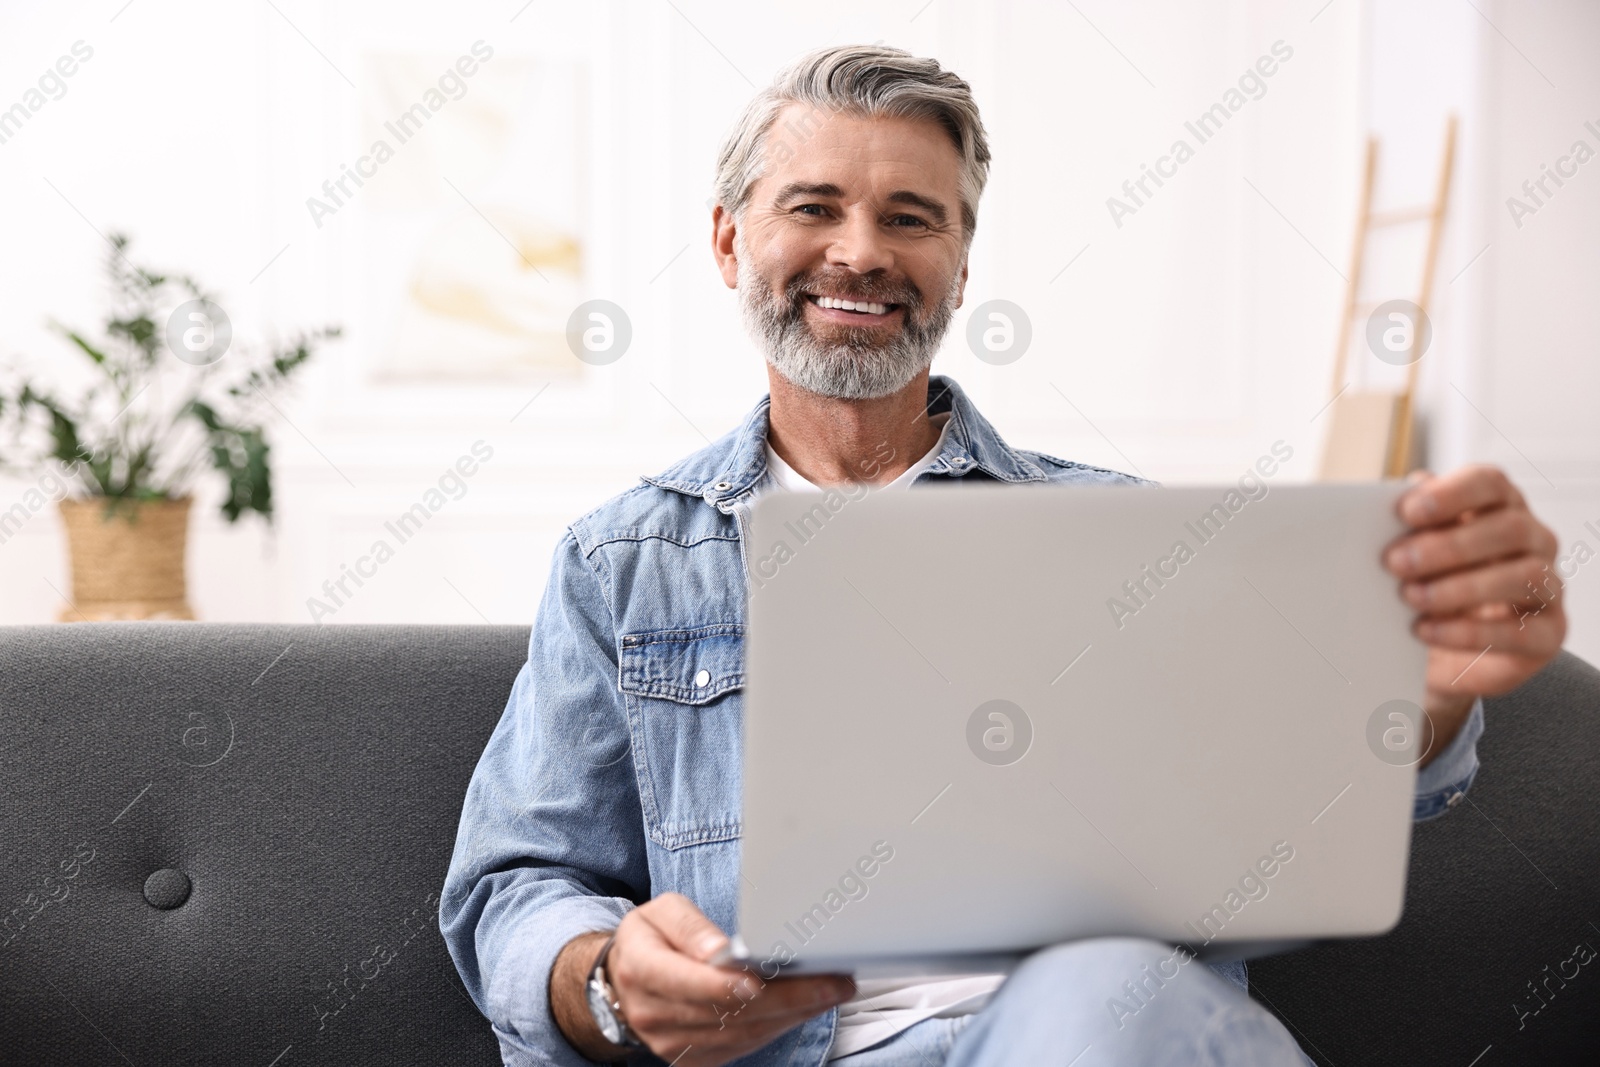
pixel 599 842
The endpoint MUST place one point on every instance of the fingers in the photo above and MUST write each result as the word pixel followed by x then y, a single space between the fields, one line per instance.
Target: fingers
pixel 675 970
pixel 1477 566
pixel 1444 498
pixel 1525 581
pixel 1536 634
pixel 684 926
pixel 675 1000
pixel 1500 534
pixel 799 997
pixel 659 951
pixel 718 1031
pixel 774 1008
pixel 693 995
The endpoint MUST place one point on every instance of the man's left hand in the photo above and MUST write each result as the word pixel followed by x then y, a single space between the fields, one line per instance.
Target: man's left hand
pixel 1478 568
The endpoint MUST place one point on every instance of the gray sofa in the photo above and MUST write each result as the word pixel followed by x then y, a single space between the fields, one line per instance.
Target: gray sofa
pixel 223 844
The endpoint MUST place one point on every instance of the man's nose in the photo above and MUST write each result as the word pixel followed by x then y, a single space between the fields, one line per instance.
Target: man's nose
pixel 860 243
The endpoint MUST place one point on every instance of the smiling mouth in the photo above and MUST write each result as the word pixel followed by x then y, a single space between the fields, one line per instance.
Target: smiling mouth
pixel 864 308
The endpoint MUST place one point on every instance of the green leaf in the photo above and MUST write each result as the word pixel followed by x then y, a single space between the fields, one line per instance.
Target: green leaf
pixel 242 456
pixel 66 444
pixel 204 412
pixel 90 350
pixel 139 329
pixel 258 472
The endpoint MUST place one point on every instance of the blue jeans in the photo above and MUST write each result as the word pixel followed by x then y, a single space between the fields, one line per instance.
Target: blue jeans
pixel 1070 1006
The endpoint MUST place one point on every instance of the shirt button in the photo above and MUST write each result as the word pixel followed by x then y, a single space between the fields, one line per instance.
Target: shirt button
pixel 1454 799
pixel 723 487
pixel 702 678
pixel 959 461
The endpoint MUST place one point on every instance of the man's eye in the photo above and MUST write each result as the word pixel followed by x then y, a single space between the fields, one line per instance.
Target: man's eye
pixel 908 220
pixel 818 208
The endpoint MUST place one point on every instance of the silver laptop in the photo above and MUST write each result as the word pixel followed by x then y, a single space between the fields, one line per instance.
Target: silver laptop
pixel 988 719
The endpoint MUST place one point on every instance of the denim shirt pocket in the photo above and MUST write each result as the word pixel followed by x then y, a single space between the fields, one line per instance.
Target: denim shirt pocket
pixel 684 695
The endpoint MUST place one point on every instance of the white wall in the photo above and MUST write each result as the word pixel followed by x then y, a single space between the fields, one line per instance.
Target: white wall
pixel 1514 379
pixel 1535 378
pixel 1187 340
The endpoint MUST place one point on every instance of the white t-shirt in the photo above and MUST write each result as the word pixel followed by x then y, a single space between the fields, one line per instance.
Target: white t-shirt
pixel 882 1007
pixel 786 477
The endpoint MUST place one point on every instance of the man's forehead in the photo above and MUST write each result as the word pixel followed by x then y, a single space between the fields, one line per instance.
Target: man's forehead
pixel 808 146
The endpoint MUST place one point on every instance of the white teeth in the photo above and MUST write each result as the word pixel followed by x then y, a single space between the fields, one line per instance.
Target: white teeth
pixel 852 305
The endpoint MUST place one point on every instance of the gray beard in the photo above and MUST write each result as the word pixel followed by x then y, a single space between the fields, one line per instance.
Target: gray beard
pixel 860 367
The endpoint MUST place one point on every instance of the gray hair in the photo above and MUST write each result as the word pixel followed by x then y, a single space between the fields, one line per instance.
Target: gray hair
pixel 869 81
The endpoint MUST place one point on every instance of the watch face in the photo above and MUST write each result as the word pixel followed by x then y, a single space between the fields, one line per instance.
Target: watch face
pixel 604 1017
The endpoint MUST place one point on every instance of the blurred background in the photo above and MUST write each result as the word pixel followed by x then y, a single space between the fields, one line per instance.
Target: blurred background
pixel 1179 335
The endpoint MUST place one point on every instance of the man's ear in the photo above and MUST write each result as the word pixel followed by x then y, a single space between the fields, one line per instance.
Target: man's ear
pixel 961 293
pixel 723 230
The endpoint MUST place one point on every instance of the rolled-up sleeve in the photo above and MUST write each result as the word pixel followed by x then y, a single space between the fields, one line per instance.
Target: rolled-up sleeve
pixel 1443 783
pixel 551 842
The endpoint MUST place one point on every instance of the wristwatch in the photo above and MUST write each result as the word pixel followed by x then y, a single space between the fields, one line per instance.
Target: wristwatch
pixel 604 1005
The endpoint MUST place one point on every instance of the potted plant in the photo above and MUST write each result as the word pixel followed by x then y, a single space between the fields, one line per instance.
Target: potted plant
pixel 159 408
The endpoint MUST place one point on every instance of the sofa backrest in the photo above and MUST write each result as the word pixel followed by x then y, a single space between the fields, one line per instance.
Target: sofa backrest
pixel 301 784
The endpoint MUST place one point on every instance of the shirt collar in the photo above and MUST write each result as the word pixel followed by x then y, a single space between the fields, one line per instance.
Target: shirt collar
pixel 727 471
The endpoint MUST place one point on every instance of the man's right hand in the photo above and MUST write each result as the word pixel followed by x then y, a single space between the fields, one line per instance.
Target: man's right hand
pixel 687 1011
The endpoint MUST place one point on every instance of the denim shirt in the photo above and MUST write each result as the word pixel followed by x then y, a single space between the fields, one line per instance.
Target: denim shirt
pixel 614 773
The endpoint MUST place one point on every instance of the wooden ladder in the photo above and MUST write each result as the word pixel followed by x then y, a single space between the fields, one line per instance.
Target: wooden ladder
pixel 1372 432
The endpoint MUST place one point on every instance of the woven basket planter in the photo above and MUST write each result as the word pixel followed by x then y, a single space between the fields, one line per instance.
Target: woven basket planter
pixel 127 563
